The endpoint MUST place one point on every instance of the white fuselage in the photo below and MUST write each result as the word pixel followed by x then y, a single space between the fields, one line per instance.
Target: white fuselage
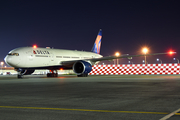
pixel 29 57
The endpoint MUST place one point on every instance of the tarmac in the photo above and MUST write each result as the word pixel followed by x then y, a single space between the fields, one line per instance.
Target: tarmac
pixel 121 97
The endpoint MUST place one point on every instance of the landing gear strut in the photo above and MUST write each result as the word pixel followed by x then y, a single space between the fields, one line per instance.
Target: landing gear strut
pixel 20 74
pixel 53 73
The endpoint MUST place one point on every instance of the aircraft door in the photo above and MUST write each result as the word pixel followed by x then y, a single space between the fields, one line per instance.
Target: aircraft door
pixel 52 57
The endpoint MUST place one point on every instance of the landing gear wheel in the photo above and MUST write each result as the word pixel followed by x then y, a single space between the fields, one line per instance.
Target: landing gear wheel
pixel 52 74
pixel 19 76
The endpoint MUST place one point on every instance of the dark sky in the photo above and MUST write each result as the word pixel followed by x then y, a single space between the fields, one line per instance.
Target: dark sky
pixel 73 24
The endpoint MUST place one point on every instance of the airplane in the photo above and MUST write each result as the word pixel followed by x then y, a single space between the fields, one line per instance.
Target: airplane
pixel 26 60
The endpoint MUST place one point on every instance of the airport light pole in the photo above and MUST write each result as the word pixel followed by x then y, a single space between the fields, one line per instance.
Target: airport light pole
pixel 176 59
pixel 159 60
pixel 145 50
pixel 144 61
pixel 117 54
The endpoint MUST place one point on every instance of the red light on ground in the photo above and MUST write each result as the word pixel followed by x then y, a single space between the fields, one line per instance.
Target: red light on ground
pixel 34 46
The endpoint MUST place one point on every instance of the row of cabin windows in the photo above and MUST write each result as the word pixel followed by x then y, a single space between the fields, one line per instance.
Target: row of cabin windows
pixel 17 54
pixel 71 57
pixel 63 57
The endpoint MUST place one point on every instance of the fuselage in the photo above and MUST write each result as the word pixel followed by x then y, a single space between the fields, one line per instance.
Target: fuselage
pixel 29 57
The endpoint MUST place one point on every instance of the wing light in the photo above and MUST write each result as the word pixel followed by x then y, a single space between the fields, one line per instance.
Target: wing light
pixel 171 52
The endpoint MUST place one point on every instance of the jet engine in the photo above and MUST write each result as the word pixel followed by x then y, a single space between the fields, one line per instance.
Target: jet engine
pixel 82 68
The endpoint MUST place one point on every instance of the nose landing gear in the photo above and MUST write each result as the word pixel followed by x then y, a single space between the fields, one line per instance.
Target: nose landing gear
pixel 19 76
pixel 20 73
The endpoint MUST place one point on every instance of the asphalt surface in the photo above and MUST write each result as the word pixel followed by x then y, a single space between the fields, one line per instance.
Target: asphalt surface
pixel 89 98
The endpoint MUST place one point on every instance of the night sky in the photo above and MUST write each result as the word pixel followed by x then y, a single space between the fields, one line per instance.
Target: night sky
pixel 127 26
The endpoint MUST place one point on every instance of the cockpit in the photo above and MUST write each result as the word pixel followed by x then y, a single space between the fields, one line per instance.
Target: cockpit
pixel 13 54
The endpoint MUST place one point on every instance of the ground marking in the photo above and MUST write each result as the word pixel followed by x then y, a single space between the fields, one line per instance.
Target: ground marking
pixel 87 110
pixel 171 114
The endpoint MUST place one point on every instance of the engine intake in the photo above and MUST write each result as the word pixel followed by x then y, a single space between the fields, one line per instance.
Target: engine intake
pixel 82 67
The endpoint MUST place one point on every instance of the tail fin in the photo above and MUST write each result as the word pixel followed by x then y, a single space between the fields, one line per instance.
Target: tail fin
pixel 97 44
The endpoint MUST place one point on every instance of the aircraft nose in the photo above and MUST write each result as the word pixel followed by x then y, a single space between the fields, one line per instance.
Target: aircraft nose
pixel 7 60
pixel 10 62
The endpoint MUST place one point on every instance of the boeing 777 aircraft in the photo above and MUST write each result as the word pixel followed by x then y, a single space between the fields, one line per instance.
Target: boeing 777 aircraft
pixel 27 59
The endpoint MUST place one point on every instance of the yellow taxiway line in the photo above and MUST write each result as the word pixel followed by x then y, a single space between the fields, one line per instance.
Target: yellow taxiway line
pixel 87 110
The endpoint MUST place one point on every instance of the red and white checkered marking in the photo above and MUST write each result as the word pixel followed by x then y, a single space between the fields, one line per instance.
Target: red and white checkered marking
pixel 135 69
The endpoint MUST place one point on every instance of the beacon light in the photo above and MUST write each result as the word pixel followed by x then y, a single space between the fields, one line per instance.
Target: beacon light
pixel 34 46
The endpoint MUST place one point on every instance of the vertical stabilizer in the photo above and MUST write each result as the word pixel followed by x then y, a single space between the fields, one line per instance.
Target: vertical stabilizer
pixel 97 44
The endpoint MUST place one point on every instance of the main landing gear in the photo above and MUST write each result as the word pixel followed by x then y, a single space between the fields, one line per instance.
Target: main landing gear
pixel 53 73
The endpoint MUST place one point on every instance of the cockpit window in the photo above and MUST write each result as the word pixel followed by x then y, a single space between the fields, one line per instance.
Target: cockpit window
pixel 14 54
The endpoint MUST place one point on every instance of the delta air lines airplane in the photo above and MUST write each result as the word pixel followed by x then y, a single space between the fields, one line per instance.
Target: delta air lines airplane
pixel 27 59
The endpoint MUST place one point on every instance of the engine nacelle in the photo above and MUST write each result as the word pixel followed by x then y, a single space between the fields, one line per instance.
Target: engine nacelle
pixel 27 72
pixel 82 67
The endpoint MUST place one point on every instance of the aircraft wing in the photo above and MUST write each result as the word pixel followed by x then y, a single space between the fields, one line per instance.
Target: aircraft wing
pixel 126 56
pixel 70 63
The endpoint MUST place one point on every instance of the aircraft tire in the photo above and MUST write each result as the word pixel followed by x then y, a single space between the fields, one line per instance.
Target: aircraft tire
pixel 48 75
pixel 56 74
pixel 52 75
pixel 19 76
